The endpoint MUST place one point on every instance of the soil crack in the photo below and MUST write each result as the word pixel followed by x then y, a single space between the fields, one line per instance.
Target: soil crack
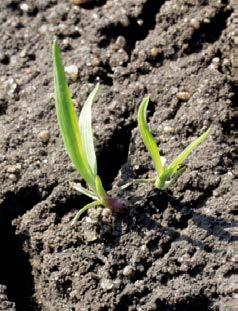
pixel 135 31
pixel 114 153
pixel 208 33
pixel 15 269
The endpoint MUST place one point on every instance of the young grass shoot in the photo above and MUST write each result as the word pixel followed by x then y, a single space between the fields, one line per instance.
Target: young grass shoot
pixel 78 138
pixel 166 175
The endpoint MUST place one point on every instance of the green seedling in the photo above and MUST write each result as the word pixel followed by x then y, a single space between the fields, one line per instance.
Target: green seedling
pixel 166 175
pixel 78 139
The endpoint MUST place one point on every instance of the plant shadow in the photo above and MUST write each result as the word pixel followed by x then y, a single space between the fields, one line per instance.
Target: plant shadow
pixel 158 202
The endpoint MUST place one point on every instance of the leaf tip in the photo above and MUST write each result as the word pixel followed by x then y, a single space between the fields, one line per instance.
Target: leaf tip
pixel 55 43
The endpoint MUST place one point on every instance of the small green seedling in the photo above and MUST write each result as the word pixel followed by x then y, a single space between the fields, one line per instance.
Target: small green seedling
pixel 78 139
pixel 166 174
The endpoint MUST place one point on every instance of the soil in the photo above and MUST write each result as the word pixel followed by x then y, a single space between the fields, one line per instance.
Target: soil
pixel 170 250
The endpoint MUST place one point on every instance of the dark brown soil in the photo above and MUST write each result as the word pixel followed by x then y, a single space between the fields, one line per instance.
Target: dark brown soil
pixel 169 251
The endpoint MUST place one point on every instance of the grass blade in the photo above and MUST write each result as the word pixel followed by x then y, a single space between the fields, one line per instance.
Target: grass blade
pixel 68 121
pixel 174 166
pixel 85 191
pixel 83 210
pixel 85 125
pixel 99 187
pixel 147 137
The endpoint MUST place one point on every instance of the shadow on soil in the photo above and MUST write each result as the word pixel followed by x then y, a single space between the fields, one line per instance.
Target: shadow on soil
pixel 159 202
pixel 134 31
pixel 92 5
pixel 114 154
pixel 198 304
pixel 208 33
pixel 15 269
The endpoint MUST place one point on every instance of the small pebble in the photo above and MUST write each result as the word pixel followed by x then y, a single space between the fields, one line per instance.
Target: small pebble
pixel 195 23
pixel 66 43
pixel 125 21
pixel 11 86
pixel 216 60
pixel 154 52
pixel 235 39
pixel 24 7
pixel 140 22
pixel 140 86
pixel 72 71
pixel 90 236
pixel 13 177
pixel 106 212
pixel 128 271
pixel 95 213
pixel 106 284
pixel 43 29
pixel 95 62
pixel 183 95
pixel 144 248
pixel 226 62
pixel 168 129
pixel 14 169
pixel 121 42
pixel 206 21
pixel 44 136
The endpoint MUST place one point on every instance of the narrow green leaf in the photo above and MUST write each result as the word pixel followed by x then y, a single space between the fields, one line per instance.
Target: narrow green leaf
pixel 85 191
pixel 174 166
pixel 100 189
pixel 68 121
pixel 85 125
pixel 147 137
pixel 84 209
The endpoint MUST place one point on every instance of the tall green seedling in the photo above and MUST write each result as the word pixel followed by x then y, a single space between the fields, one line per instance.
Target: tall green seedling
pixel 77 136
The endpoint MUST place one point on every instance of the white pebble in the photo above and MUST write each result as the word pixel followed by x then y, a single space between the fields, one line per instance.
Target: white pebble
pixel 144 248
pixel 106 212
pixel 206 21
pixel 72 71
pixel 44 136
pixel 106 284
pixel 24 7
pixel 194 22
pixel 127 271
pixel 13 177
pixel 90 236
pixel 183 95
pixel 168 129
pixel 140 22
pixel 43 29
pixel 216 60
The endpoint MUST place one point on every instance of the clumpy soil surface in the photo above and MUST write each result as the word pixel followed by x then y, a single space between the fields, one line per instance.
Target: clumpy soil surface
pixel 170 250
